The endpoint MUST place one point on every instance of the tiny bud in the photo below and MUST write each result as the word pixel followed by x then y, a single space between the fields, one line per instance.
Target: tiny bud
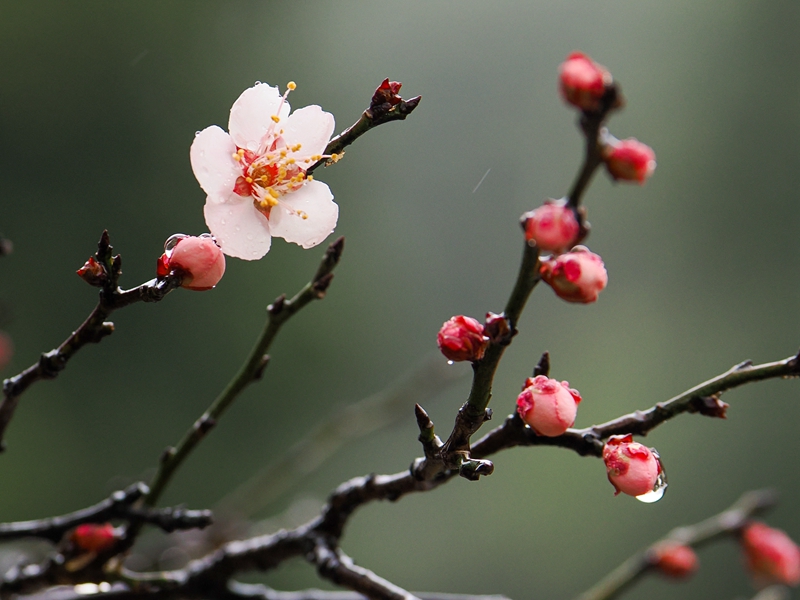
pixel 462 338
pixel 629 160
pixel 549 407
pixel 771 555
pixel 387 93
pixel 6 349
pixel 198 260
pixel 583 82
pixel 552 227
pixel 577 276
pixel 92 272
pixel 632 468
pixel 92 537
pixel 674 559
pixel 496 327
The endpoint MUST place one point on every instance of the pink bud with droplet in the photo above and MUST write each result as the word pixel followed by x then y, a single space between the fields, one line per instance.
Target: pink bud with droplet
pixel 198 260
pixel 674 559
pixel 577 276
pixel 552 227
pixel 582 81
pixel 462 338
pixel 629 160
pixel 771 555
pixel 548 406
pixel 632 468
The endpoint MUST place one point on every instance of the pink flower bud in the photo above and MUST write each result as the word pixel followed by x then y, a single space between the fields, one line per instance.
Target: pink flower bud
pixel 549 407
pixel 577 276
pixel 198 260
pixel 674 559
pixel 771 555
pixel 632 468
pixel 92 537
pixel 629 160
pixel 582 81
pixel 462 338
pixel 552 227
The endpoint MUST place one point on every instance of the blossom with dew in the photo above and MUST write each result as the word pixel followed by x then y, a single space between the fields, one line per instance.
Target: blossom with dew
pixel 552 227
pixel 198 260
pixel 582 81
pixel 674 559
pixel 255 174
pixel 771 555
pixel 548 406
pixel 632 468
pixel 577 276
pixel 462 338
pixel 94 537
pixel 629 160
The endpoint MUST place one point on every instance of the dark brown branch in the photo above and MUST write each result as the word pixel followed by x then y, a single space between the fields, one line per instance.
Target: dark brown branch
pixel 386 106
pixel 92 330
pixel 243 591
pixel 726 523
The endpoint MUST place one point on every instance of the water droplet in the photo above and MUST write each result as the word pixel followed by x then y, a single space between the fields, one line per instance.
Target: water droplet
pixel 196 133
pixel 202 152
pixel 230 213
pixel 249 237
pixel 660 487
pixel 222 222
pixel 238 228
pixel 171 242
pixel 258 83
pixel 449 362
pixel 206 235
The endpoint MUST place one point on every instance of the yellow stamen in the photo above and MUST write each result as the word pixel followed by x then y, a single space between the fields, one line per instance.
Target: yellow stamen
pixel 291 85
pixel 248 179
pixel 273 193
pixel 296 147
pixel 275 118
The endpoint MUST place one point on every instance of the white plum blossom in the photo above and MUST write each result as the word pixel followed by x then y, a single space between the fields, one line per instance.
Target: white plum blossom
pixel 255 175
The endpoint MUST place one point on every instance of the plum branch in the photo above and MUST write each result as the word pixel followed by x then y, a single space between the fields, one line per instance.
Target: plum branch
pixel 102 270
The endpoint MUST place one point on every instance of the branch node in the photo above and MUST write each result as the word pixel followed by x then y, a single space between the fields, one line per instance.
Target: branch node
pixel 543 366
pixel 167 455
pixel 276 307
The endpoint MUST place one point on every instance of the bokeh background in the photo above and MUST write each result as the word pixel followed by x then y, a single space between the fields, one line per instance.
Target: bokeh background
pixel 99 102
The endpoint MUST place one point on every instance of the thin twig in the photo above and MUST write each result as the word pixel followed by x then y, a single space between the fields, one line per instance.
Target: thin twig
pixel 726 523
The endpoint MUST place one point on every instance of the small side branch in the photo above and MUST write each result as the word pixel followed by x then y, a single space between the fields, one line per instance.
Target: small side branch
pixel 102 270
pixel 726 523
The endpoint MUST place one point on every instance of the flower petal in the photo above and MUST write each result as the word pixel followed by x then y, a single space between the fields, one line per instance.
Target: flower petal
pixel 251 115
pixel 311 127
pixel 313 199
pixel 212 161
pixel 239 229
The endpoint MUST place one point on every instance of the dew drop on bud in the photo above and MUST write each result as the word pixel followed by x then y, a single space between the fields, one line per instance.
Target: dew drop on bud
pixel 206 235
pixel 171 242
pixel 450 362
pixel 660 486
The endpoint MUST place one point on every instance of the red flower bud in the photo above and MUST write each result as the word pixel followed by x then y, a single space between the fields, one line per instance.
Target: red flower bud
pixel 582 81
pixel 198 260
pixel 771 555
pixel 92 272
pixel 629 160
pixel 92 537
pixel 674 559
pixel 577 276
pixel 552 227
pixel 632 468
pixel 6 349
pixel 549 407
pixel 462 338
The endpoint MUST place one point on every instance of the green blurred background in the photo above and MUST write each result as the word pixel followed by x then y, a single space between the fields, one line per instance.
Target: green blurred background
pixel 99 102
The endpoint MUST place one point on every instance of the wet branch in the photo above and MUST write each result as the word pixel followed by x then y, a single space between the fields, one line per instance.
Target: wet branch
pixel 279 312
pixel 102 270
pixel 726 523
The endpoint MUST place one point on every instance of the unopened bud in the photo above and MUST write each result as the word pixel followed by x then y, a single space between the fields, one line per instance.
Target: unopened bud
pixel 583 82
pixel 552 227
pixel 198 260
pixel 462 338
pixel 497 328
pixel 629 160
pixel 674 559
pixel 632 468
pixel 549 407
pixel 93 537
pixel 92 272
pixel 771 555
pixel 577 276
